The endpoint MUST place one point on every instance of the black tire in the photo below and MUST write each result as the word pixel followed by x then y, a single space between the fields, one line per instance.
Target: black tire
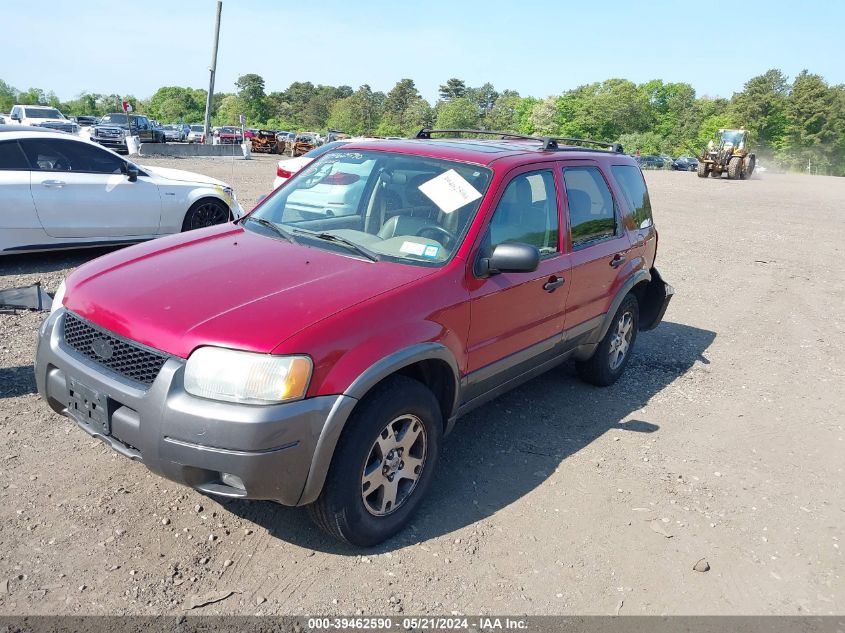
pixel 735 168
pixel 749 168
pixel 599 368
pixel 206 212
pixel 341 510
pixel 702 170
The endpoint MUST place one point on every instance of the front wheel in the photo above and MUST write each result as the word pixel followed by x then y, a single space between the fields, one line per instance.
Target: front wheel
pixel 205 213
pixel 611 356
pixel 735 168
pixel 702 170
pixel 383 464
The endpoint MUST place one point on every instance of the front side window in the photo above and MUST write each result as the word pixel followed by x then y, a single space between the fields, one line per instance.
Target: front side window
pixel 592 213
pixel 633 187
pixel 527 213
pixel 70 156
pixel 379 205
pixel 12 158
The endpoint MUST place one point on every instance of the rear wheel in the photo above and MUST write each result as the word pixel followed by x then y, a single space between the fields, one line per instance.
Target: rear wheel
pixel 204 213
pixel 735 168
pixel 611 356
pixel 749 167
pixel 702 170
pixel 383 464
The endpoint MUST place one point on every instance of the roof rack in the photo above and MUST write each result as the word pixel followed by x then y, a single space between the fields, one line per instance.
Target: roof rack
pixel 550 143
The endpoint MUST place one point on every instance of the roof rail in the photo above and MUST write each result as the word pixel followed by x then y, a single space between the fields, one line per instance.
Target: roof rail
pixel 427 132
pixel 550 143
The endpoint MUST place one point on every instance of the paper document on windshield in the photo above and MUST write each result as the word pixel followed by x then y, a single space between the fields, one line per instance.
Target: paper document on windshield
pixel 449 191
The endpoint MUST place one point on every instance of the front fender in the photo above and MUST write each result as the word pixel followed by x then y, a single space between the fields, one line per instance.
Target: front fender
pixel 360 386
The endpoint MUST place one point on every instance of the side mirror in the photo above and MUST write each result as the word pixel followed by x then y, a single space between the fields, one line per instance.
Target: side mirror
pixel 510 257
pixel 131 171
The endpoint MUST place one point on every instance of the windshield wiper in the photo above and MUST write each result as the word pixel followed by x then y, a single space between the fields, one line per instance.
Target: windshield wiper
pixel 273 227
pixel 330 237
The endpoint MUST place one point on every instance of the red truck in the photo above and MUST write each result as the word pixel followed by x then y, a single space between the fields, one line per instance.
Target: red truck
pixel 313 355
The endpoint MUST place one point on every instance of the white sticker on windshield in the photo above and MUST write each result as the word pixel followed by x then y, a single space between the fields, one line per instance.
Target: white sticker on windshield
pixel 449 191
pixel 412 248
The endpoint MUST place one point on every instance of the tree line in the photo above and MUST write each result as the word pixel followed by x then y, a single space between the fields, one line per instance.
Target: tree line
pixel 794 124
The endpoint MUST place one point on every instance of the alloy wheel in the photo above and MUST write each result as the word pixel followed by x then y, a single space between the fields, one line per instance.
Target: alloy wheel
pixel 621 341
pixel 394 465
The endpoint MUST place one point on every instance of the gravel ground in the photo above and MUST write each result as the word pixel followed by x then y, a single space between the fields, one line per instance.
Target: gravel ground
pixel 722 442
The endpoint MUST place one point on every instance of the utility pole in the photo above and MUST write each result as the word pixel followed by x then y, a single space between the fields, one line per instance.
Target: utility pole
pixel 212 70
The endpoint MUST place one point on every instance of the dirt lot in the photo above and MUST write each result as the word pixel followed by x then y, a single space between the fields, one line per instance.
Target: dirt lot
pixel 723 441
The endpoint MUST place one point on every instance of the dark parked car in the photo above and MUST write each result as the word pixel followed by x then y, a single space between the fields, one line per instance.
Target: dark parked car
pixel 685 163
pixel 330 354
pixel 650 161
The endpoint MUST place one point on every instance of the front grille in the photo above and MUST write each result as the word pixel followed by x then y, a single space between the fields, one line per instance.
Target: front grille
pixel 126 358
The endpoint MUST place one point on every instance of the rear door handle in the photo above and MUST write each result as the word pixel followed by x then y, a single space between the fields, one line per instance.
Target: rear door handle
pixel 617 261
pixel 57 184
pixel 553 283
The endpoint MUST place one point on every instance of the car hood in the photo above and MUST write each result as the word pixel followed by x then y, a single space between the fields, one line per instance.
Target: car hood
pixel 224 286
pixel 182 175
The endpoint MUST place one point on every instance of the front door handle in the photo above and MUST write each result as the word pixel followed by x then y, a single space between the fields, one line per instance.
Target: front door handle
pixel 553 283
pixel 58 184
pixel 617 260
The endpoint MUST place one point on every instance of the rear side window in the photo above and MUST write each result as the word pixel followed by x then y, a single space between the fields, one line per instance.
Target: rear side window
pixel 592 212
pixel 633 187
pixel 11 157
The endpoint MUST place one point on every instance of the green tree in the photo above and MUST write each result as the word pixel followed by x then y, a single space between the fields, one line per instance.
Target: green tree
pixel 453 89
pixel 761 107
pixel 8 96
pixel 402 108
pixel 459 113
pixel 228 112
pixel 815 126
pixel 504 113
pixel 251 94
pixel 357 114
pixel 484 97
pixel 33 96
pixel 174 103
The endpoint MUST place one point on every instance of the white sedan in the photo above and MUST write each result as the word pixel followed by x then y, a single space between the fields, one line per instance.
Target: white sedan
pixel 60 191
pixel 287 168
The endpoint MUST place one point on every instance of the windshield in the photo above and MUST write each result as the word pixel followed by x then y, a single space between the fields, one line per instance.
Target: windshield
pixel 400 208
pixel 197 128
pixel 733 137
pixel 118 119
pixel 43 113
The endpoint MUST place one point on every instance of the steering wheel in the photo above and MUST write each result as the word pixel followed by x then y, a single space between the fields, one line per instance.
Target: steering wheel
pixel 451 238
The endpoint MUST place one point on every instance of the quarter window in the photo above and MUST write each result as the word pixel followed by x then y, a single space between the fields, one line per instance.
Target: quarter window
pixel 592 213
pixel 527 213
pixel 12 158
pixel 633 187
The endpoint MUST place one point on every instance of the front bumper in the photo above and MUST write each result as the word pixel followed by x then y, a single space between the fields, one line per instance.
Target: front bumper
pixel 194 441
pixel 118 144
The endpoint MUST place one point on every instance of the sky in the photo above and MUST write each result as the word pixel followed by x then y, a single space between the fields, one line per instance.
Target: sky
pixel 537 47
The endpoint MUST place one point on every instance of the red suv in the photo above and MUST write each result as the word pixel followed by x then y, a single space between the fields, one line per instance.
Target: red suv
pixel 316 351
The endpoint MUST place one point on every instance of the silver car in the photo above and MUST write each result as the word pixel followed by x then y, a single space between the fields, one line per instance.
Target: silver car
pixel 172 133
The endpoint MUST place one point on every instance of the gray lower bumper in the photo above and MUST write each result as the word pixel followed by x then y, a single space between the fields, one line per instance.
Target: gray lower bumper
pixel 274 450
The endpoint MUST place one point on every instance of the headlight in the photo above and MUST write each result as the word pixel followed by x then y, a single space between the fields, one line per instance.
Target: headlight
pixel 58 297
pixel 234 376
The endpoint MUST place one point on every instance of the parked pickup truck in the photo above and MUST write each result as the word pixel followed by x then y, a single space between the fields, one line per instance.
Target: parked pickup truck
pixel 42 116
pixel 319 360
pixel 113 129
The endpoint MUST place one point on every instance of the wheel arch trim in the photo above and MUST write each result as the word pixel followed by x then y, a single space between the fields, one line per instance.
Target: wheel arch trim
pixel 369 378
